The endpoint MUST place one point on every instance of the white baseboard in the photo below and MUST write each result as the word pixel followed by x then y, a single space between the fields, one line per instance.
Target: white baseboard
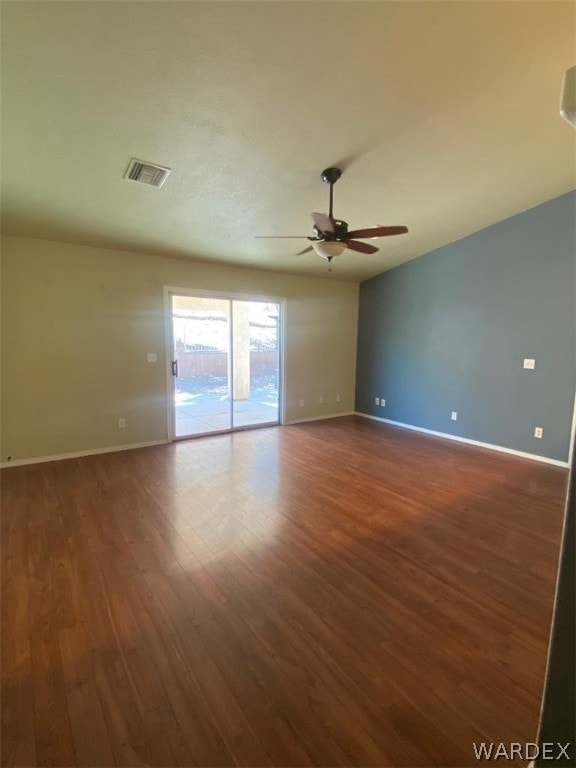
pixel 130 447
pixel 446 435
pixel 79 454
pixel 467 440
pixel 319 418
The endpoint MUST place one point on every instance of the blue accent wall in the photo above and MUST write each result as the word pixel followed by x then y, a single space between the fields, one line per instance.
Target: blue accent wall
pixel 449 331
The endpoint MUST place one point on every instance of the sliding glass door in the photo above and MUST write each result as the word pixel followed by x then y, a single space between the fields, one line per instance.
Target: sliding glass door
pixel 225 364
pixel 201 365
pixel 256 363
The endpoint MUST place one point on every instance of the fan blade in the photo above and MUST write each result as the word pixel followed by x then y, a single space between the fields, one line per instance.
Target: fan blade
pixel 305 251
pixel 361 247
pixel 378 232
pixel 281 237
pixel 323 223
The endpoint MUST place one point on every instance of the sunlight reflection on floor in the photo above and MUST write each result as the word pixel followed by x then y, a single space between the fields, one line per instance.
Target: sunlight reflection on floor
pixel 206 528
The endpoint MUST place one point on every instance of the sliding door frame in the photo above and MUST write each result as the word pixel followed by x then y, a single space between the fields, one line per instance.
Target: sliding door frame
pixel 169 292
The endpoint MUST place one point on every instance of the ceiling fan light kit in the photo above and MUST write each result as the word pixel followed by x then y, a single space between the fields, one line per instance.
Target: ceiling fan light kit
pixel 329 249
pixel 331 236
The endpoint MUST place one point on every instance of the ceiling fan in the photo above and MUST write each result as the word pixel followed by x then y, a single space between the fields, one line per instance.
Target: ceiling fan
pixel 331 236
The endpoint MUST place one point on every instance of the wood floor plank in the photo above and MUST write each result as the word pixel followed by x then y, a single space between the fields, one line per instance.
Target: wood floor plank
pixel 286 666
pixel 54 741
pixel 333 593
pixel 18 742
pixel 89 731
pixel 288 646
pixel 326 641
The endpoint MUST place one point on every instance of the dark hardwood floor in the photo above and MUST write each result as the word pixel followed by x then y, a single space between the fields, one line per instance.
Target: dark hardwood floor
pixel 333 593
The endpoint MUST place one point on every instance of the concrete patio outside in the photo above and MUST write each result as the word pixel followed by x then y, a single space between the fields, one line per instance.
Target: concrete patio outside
pixel 203 406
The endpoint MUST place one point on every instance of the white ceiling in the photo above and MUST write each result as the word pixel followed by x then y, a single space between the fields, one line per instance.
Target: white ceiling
pixel 443 115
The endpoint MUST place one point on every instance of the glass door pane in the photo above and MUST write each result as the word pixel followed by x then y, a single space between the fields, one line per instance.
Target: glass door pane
pixel 201 333
pixel 256 368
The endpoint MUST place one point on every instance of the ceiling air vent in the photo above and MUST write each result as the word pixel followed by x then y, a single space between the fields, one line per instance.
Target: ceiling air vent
pixel 146 173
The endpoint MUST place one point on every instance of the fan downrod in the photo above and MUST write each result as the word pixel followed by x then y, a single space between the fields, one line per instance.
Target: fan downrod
pixel 331 175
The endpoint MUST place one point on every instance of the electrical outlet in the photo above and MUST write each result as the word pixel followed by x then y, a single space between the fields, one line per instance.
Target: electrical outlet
pixel 152 357
pixel 538 432
pixel 301 403
pixel 337 398
pixel 121 422
pixel 320 399
pixel 377 400
pixel 382 402
pixel 529 363
pixel 454 416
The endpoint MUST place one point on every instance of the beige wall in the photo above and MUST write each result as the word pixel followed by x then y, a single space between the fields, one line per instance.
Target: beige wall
pixel 77 323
